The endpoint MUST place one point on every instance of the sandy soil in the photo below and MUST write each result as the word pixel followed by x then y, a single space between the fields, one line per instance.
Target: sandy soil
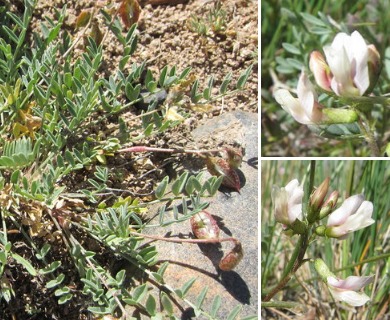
pixel 164 38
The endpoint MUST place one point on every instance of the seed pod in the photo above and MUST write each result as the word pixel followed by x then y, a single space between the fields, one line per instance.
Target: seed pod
pixel 83 18
pixel 204 226
pixel 234 157
pixel 220 167
pixel 129 11
pixel 232 259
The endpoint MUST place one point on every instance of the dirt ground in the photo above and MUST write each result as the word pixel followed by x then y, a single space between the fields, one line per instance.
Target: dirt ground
pixel 164 38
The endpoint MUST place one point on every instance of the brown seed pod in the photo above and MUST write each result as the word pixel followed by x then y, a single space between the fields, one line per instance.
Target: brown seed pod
pixel 129 11
pixel 234 157
pixel 232 259
pixel 220 167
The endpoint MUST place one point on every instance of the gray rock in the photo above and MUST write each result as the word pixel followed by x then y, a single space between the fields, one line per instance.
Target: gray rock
pixel 237 216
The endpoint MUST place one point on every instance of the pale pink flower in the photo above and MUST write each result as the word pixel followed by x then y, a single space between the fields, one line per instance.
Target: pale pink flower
pixel 288 202
pixel 351 67
pixel 345 290
pixel 354 214
pixel 305 109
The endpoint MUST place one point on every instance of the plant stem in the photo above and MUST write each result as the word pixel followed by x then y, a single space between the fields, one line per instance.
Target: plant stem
pixel 151 149
pixel 368 134
pixel 298 254
pixel 280 304
pixel 215 240
pixel 292 266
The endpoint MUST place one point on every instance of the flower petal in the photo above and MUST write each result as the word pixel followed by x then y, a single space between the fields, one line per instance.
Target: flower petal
pixel 353 298
pixel 349 206
pixel 280 200
pixel 291 185
pixel 308 98
pixel 341 65
pixel 320 70
pixel 295 195
pixel 362 217
pixel 288 202
pixel 350 283
pixel 292 106
pixel 295 212
pixel 358 54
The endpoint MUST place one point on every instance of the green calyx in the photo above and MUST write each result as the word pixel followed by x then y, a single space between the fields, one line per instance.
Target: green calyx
pixel 334 116
pixel 323 270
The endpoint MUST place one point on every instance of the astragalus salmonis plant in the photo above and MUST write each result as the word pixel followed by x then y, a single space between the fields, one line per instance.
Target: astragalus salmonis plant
pixel 55 181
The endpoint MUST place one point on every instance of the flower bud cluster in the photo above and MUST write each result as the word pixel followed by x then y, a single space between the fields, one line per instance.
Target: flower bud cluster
pixel 354 214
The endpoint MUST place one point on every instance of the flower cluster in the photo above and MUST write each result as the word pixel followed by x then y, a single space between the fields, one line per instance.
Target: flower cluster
pixel 353 214
pixel 349 69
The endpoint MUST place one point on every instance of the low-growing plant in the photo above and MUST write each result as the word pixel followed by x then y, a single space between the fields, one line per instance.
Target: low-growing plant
pixel 214 23
pixel 50 102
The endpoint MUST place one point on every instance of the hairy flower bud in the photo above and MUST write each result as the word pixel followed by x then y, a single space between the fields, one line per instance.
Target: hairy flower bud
pixel 316 200
pixel 374 66
pixel 329 204
pixel 321 70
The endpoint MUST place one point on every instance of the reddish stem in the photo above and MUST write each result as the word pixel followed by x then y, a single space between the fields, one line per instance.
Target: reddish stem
pixel 218 240
pixel 151 149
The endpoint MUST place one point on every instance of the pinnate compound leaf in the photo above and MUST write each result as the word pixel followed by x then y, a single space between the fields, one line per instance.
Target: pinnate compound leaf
pixel 43 251
pixel 224 86
pixel 65 298
pixel 291 48
pixel 100 310
pixel 50 268
pixel 139 292
pixel 61 291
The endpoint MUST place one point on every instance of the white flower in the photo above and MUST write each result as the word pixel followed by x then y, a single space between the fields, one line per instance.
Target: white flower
pixel 345 290
pixel 305 109
pixel 288 202
pixel 351 68
pixel 354 214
